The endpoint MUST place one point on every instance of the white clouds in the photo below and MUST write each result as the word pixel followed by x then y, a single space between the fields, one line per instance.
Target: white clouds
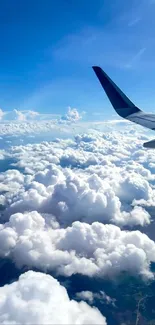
pixel 93 178
pixel 25 115
pixel 92 250
pixel 78 195
pixel 26 122
pixel 63 211
pixel 80 185
pixel 30 123
pixel 3 154
pixel 90 296
pixel 71 116
pixel 137 56
pixel 18 115
pixel 86 295
pixel 25 128
pixel 134 187
pixel 1 114
pixel 11 181
pixel 38 298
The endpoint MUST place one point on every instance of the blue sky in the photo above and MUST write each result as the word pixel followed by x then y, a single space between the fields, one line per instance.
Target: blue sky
pixel 48 48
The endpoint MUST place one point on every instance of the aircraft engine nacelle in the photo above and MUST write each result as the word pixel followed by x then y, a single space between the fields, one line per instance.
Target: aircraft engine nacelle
pixel 149 144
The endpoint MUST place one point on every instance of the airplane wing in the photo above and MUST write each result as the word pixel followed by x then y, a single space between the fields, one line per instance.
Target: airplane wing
pixel 122 104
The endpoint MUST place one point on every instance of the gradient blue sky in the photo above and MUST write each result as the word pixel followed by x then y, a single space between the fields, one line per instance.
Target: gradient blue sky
pixel 48 48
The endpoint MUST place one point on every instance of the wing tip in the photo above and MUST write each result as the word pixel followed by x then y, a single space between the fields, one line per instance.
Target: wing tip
pixel 95 67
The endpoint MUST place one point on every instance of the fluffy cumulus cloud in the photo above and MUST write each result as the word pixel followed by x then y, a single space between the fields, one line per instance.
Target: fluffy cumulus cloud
pixel 93 250
pixel 91 296
pixel 11 180
pixel 71 196
pixel 25 122
pixel 72 115
pixel 38 298
pixel 3 154
pixel 18 115
pixel 86 295
pixel 65 202
pixel 96 177
pixel 65 206
pixel 24 115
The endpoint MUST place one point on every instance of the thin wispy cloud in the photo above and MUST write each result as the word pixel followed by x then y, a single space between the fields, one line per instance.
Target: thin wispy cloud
pixel 84 49
pixel 136 58
pixel 134 22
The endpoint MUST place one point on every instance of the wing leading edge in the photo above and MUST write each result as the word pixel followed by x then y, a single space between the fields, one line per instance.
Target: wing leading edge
pixel 122 104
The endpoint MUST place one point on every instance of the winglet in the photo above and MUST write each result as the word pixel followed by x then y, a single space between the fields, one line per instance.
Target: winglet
pixel 121 103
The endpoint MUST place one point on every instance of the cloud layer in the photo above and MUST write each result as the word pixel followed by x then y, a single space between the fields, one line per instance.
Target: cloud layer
pixel 38 298
pixel 62 207
pixel 16 115
pixel 27 123
pixel 92 250
pixel 96 177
